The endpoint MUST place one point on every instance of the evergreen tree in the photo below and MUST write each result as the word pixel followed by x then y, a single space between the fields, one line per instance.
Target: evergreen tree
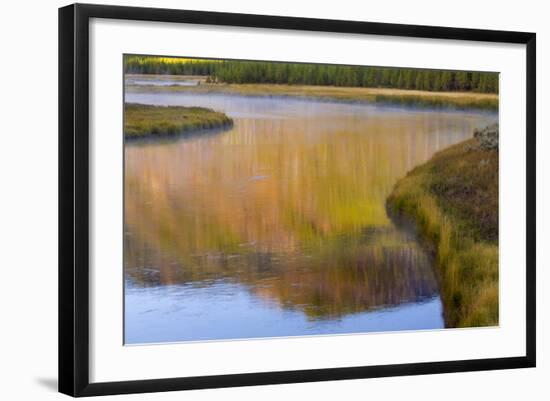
pixel 446 81
pixel 314 74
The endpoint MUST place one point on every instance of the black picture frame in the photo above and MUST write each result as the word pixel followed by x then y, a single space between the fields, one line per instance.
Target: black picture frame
pixel 74 194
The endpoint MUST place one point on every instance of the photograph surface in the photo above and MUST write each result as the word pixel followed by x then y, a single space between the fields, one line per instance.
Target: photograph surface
pixel 270 199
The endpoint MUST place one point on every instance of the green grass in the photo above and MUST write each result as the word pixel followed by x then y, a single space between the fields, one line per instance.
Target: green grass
pixel 417 98
pixel 454 200
pixel 150 121
pixel 436 101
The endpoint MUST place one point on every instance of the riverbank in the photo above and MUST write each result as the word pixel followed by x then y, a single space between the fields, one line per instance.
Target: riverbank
pixel 454 200
pixel 456 100
pixel 142 120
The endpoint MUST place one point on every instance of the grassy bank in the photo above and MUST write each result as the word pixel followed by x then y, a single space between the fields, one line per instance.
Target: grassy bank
pixel 457 100
pixel 145 120
pixel 454 200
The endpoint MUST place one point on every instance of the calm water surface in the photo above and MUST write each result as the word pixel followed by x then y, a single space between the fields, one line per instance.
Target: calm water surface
pixel 159 80
pixel 278 226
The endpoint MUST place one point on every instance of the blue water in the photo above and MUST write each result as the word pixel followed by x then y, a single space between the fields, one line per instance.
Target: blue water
pixel 182 312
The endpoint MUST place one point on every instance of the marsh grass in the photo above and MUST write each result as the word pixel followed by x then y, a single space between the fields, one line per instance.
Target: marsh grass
pixel 454 200
pixel 142 121
pixel 437 101
pixel 401 97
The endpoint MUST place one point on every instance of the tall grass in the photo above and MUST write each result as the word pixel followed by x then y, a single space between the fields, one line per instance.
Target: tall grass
pixel 401 97
pixel 433 101
pixel 466 250
pixel 142 120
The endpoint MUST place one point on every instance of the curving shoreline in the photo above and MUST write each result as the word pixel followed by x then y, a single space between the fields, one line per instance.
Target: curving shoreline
pixel 147 121
pixel 453 198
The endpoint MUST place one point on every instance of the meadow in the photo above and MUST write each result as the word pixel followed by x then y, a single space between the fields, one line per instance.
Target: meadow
pixel 403 97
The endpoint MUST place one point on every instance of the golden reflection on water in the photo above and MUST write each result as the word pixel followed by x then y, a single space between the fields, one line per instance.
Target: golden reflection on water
pixel 292 207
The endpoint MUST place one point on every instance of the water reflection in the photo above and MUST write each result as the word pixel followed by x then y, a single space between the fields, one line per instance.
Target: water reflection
pixel 325 280
pixel 284 216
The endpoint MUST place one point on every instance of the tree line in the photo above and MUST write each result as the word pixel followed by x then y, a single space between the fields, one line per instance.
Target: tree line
pixel 317 74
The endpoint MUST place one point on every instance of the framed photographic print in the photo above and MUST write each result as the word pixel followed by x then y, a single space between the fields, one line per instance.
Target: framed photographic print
pixel 248 199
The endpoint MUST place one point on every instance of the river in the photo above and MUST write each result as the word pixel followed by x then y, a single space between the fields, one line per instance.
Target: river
pixel 278 226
